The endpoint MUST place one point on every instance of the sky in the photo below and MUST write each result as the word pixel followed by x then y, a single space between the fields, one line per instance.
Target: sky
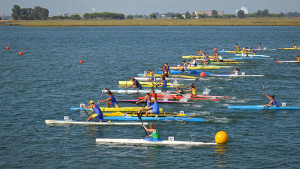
pixel 146 7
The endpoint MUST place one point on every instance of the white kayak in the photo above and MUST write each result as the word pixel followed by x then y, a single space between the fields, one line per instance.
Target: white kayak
pixel 108 123
pixel 125 91
pixel 233 75
pixel 150 141
pixel 287 61
pixel 249 55
pixel 167 78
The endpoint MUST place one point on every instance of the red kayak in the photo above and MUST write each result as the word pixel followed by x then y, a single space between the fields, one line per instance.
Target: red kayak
pixel 196 96
pixel 182 97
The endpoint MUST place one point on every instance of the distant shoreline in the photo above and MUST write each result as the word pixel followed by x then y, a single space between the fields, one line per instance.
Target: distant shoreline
pixel 156 22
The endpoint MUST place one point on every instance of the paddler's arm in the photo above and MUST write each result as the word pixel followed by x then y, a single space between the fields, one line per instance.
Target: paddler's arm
pixel 86 107
pixel 149 130
pixel 188 90
pixel 267 96
pixel 108 99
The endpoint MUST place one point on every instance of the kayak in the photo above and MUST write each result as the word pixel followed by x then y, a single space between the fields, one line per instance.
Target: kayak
pixel 265 56
pixel 261 107
pixel 260 49
pixel 197 57
pixel 167 78
pixel 231 51
pixel 290 48
pixel 239 58
pixel 161 114
pixel 151 141
pixel 158 101
pixel 185 98
pixel 124 91
pixel 179 72
pixel 192 96
pixel 134 118
pixel 113 109
pixel 287 61
pixel 233 75
pixel 106 123
pixel 175 76
pixel 148 84
pixel 197 67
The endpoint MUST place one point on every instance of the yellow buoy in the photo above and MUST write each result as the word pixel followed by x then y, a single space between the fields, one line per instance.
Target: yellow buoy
pixel 221 137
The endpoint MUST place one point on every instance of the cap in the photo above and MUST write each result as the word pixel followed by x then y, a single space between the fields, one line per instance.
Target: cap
pixel 91 102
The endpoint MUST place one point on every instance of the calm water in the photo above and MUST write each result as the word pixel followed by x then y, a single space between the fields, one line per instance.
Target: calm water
pixel 47 80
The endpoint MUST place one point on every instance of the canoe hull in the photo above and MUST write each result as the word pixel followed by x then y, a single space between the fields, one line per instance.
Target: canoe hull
pixel 72 122
pixel 262 107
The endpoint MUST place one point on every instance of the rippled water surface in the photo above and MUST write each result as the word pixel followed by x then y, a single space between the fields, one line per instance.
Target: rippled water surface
pixel 47 80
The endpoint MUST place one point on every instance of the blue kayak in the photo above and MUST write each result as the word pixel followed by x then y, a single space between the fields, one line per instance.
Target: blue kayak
pixel 134 118
pixel 173 72
pixel 262 107
pixel 240 58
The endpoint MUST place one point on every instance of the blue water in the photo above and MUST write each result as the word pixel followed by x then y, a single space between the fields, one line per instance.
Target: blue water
pixel 47 80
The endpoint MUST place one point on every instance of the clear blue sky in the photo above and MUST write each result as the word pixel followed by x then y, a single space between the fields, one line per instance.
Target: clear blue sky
pixel 127 7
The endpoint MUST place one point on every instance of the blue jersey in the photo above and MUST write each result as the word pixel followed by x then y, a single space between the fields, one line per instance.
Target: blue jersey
pixel 98 111
pixel 155 108
pixel 274 103
pixel 138 85
pixel 113 100
pixel 148 103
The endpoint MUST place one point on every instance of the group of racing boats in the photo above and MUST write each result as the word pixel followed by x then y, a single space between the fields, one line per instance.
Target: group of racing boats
pixel 158 85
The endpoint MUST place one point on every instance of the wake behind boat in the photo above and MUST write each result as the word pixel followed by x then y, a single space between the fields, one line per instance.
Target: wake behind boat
pixel 262 107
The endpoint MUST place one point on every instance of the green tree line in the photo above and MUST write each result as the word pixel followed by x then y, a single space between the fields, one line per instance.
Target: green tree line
pixel 37 13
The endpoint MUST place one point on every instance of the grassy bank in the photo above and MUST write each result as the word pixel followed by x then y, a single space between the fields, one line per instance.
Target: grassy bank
pixel 159 22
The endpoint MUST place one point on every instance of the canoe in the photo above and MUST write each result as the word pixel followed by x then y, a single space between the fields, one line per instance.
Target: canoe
pixel 261 49
pixel 190 72
pixel 147 84
pixel 175 76
pixel 159 101
pixel 134 114
pixel 124 91
pixel 134 118
pixel 107 123
pixel 249 55
pixel 261 107
pixel 290 48
pixel 287 61
pixel 239 58
pixel 167 78
pixel 113 109
pixel 151 141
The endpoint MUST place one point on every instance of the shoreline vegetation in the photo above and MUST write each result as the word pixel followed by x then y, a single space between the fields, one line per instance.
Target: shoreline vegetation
pixel 295 21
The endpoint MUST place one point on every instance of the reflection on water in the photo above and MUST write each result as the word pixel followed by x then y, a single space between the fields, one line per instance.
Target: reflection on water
pixel 220 159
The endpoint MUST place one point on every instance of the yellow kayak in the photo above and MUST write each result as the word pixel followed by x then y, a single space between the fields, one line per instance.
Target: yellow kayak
pixel 161 114
pixel 197 57
pixel 113 109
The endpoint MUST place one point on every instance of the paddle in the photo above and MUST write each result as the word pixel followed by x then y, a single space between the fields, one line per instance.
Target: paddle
pixel 100 96
pixel 86 112
pixel 139 116
pixel 264 92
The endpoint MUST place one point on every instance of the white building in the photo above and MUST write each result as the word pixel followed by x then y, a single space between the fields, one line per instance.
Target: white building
pixel 243 8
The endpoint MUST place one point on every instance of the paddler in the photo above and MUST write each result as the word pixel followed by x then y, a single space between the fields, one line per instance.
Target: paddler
pixel 252 51
pixel 193 62
pixel 155 134
pixel 110 100
pixel 153 94
pixel 236 71
pixel 153 109
pixel 96 109
pixel 165 72
pixel 145 99
pixel 237 48
pixel 135 84
pixel 152 76
pixel 298 58
pixel 294 46
pixel 200 53
pixel 206 60
pixel 259 46
pixel 178 91
pixel 163 82
pixel 193 90
pixel 272 100
pixel 184 66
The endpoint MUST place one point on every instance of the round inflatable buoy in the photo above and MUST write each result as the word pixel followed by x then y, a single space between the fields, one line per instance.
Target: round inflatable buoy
pixel 21 53
pixel 215 49
pixel 202 74
pixel 80 61
pixel 221 137
pixel 7 48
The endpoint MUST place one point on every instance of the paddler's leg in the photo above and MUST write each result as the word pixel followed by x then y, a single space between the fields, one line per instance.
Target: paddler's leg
pixel 92 116
pixel 107 104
